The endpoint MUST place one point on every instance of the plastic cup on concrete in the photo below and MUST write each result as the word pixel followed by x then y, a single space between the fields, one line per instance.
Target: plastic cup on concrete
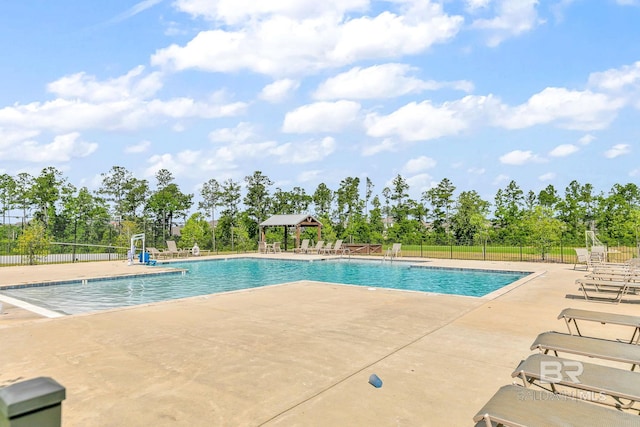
pixel 375 381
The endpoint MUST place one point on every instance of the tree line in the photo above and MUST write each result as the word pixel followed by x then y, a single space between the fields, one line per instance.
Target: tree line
pixel 226 217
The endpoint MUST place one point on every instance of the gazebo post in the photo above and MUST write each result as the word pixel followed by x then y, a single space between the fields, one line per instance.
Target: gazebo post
pixel 319 234
pixel 285 238
pixel 297 236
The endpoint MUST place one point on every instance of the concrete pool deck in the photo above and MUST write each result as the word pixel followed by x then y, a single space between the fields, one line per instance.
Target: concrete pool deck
pixel 297 354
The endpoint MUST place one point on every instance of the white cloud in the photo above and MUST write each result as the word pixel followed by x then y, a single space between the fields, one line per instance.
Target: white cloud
pixel 305 151
pixel 88 88
pixel 420 183
pixel 237 11
pixel 321 117
pixel 279 90
pixel 474 5
pixel 419 164
pixel 617 79
pixel 386 144
pixel 550 176
pixel 635 172
pixel 62 115
pixel 63 148
pixel 587 139
pixel 141 147
pixel 241 133
pixel 501 179
pixel 380 81
pixel 519 157
pixel 417 122
pixel 563 150
pixel 322 41
pixel 512 19
pixel 310 176
pixel 617 150
pixel 576 110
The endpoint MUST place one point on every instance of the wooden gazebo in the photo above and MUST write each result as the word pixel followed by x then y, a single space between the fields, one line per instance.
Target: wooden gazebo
pixel 286 221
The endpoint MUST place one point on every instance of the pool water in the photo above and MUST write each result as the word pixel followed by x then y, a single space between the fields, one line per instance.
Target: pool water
pixel 214 276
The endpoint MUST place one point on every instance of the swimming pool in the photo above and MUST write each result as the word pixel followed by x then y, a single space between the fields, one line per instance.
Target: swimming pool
pixel 214 276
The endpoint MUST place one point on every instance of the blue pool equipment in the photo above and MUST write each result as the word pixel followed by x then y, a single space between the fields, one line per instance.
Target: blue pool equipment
pixel 375 381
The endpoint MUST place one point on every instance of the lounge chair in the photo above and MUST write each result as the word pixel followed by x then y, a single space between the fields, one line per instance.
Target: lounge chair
pixel 582 257
pixel 517 406
pixel 154 253
pixel 304 247
pixel 572 315
pixel 327 248
pixel 608 290
pixel 394 251
pixel 172 249
pixel 318 247
pixel 549 371
pixel 338 248
pixel 590 347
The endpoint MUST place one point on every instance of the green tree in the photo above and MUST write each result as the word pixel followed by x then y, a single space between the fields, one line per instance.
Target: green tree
pixel 167 203
pixel 347 202
pixel 542 231
pixel 469 220
pixel 441 200
pixel 211 199
pixel 7 195
pixel 322 199
pixel 195 230
pixel 257 201
pixel 34 241
pixel 45 193
pixel 508 213
pixel 399 195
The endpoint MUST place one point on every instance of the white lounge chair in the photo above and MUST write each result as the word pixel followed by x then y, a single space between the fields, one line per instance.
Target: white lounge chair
pixel 304 247
pixel 394 251
pixel 172 249
pixel 582 257
pixel 318 247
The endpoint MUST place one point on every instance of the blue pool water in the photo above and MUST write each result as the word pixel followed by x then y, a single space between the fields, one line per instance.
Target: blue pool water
pixel 214 276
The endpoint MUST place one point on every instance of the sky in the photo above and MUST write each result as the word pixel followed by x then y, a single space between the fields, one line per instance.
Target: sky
pixel 480 92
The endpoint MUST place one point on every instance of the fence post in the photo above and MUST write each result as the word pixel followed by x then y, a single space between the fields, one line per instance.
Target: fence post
pixel 520 252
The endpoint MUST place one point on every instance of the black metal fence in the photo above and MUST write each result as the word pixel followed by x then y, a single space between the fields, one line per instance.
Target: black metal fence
pixel 59 253
pixel 11 253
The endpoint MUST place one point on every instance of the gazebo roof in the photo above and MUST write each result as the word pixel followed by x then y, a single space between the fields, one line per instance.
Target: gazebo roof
pixel 304 220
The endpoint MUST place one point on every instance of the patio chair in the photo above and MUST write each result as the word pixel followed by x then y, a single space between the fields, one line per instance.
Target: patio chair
pixel 572 315
pixel 582 257
pixel 513 405
pixel 262 247
pixel 548 371
pixel 338 248
pixel 172 249
pixel 394 251
pixel 590 347
pixel 304 247
pixel 327 248
pixel 318 248
pixel 154 253
pixel 275 247
pixel 609 290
